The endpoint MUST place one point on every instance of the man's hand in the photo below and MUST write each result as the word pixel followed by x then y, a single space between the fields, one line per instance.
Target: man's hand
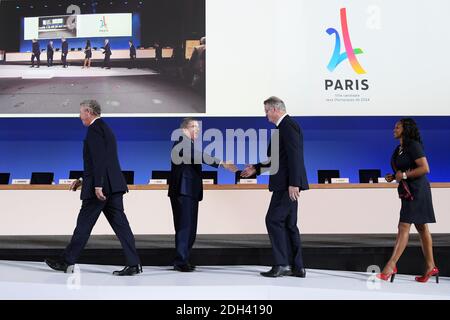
pixel 229 165
pixel 248 171
pixel 294 193
pixel 389 177
pixel 99 193
pixel 75 185
pixel 399 176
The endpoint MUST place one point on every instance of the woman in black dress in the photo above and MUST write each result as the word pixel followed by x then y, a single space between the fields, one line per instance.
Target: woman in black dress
pixel 88 52
pixel 411 167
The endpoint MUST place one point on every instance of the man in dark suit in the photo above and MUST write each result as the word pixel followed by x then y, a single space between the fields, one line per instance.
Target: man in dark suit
pixel 186 190
pixel 132 55
pixel 50 51
pixel 107 52
pixel 64 52
pixel 198 65
pixel 103 186
pixel 36 54
pixel 287 178
pixel 158 54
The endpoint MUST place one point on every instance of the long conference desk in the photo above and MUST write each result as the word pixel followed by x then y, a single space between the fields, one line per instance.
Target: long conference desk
pixel 225 209
pixel 96 55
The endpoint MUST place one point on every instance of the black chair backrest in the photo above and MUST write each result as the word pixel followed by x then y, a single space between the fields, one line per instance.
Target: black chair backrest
pixel 75 174
pixel 327 175
pixel 129 176
pixel 366 174
pixel 42 177
pixel 210 175
pixel 4 178
pixel 157 174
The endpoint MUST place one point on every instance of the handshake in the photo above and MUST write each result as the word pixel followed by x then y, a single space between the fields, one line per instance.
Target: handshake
pixel 229 165
pixel 249 170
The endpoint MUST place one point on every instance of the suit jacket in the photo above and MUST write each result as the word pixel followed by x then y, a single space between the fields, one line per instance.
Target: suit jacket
pixel 101 162
pixel 291 171
pixel 36 48
pixel 107 50
pixel 198 59
pixel 49 50
pixel 132 51
pixel 65 47
pixel 186 178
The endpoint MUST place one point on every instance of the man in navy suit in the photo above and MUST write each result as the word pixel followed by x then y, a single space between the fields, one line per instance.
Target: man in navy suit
pixel 36 53
pixel 107 52
pixel 50 51
pixel 132 55
pixel 103 186
pixel 287 179
pixel 186 190
pixel 64 52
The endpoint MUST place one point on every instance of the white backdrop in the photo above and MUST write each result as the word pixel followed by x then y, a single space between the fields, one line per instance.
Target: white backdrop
pixel 258 48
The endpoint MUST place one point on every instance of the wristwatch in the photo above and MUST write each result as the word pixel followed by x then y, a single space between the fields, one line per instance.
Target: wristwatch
pixel 404 176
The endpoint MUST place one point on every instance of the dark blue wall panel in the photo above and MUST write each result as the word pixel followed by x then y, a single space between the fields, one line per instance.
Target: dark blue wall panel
pixel 344 143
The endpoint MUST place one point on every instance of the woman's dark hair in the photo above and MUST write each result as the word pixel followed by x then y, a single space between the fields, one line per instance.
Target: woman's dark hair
pixel 88 43
pixel 410 131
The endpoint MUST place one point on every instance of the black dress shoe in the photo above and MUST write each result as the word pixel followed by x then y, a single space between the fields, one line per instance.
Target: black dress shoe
pixel 183 268
pixel 59 265
pixel 191 266
pixel 277 271
pixel 301 273
pixel 129 271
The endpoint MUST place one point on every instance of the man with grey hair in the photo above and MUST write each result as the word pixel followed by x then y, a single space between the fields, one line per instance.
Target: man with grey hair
pixel 107 52
pixel 103 186
pixel 286 184
pixel 50 51
pixel 64 52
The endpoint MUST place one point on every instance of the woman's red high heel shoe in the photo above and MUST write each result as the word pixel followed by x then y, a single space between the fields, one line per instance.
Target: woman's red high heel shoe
pixel 386 277
pixel 433 272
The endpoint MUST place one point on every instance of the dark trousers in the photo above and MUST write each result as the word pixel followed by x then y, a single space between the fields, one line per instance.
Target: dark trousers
pixel 281 222
pixel 132 61
pixel 64 59
pixel 49 60
pixel 114 213
pixel 185 215
pixel 37 57
pixel 106 61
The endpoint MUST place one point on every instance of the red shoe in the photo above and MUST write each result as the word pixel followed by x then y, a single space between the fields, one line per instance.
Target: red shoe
pixel 386 277
pixel 433 272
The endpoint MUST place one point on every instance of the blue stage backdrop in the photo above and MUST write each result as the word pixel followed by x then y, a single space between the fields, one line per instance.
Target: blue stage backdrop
pixel 344 143
pixel 116 42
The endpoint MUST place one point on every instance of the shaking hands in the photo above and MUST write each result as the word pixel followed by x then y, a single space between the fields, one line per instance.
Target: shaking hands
pixel 248 171
pixel 230 166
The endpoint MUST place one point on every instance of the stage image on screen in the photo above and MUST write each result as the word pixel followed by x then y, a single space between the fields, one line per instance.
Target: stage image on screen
pixel 57 27
pixel 135 62
pixel 348 58
pixel 78 26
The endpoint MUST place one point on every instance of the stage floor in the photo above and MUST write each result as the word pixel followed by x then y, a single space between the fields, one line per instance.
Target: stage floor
pixel 345 252
pixel 34 280
pixel 57 71
pixel 120 91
